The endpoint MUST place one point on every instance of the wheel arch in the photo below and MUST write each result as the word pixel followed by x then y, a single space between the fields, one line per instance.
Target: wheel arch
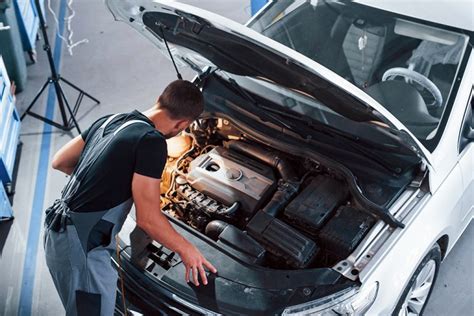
pixel 443 243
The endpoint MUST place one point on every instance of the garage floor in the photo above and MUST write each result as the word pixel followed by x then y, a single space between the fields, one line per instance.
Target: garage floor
pixel 124 71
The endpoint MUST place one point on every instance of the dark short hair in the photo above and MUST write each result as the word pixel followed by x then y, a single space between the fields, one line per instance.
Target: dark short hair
pixel 182 100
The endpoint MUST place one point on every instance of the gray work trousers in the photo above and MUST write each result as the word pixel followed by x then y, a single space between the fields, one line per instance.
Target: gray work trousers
pixel 79 260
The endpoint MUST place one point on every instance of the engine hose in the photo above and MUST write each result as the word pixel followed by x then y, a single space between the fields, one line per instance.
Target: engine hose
pixel 285 192
pixel 215 228
pixel 269 157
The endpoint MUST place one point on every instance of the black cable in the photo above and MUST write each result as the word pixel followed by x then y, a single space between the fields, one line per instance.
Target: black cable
pixel 119 263
pixel 169 52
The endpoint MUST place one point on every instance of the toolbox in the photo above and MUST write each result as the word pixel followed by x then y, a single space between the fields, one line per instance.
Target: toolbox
pixel 9 130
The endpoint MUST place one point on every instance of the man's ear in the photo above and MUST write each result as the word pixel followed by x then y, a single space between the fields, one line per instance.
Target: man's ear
pixel 182 124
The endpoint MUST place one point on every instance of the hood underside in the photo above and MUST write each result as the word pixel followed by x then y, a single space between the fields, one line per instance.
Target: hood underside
pixel 197 38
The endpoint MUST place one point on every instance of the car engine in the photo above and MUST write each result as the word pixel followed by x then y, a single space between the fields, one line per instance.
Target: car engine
pixel 263 206
pixel 230 177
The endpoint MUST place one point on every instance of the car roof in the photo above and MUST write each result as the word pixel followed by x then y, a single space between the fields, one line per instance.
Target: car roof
pixel 459 13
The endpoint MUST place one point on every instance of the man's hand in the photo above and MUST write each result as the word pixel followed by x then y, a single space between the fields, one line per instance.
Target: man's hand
pixel 146 195
pixel 194 264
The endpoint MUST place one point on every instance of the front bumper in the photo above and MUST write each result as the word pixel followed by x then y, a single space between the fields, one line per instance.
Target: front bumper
pixel 144 296
pixel 148 295
pixel 238 288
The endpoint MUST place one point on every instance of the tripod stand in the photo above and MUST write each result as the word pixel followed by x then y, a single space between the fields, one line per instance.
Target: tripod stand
pixel 55 79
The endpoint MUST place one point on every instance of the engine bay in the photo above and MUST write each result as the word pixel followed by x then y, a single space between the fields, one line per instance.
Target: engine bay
pixel 265 207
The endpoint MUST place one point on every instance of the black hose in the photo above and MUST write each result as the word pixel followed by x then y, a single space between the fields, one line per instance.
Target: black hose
pixel 285 192
pixel 266 156
pixel 215 228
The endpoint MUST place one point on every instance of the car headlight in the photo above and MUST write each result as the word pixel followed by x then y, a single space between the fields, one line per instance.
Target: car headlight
pixel 353 301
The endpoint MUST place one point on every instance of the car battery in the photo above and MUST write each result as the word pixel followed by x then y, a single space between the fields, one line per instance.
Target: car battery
pixel 316 203
pixel 344 231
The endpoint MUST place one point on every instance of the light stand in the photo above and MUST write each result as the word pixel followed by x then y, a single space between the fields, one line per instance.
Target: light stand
pixel 55 79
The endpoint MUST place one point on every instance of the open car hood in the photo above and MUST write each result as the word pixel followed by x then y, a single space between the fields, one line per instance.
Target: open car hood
pixel 198 39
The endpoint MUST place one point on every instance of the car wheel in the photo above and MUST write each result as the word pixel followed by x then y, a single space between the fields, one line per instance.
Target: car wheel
pixel 416 294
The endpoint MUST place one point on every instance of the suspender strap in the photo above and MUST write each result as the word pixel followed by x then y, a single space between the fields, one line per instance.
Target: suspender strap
pixel 109 120
pixel 129 123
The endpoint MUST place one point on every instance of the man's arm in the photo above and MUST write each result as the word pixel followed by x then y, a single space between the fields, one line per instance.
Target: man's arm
pixel 66 158
pixel 146 195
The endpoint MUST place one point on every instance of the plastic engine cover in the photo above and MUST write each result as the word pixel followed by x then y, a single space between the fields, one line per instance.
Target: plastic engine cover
pixel 344 231
pixel 316 203
pixel 229 177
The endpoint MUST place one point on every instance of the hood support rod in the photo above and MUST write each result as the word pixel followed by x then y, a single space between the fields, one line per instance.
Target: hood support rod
pixel 169 51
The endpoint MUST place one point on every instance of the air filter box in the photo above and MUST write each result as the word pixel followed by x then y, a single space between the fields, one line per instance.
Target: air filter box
pixel 245 246
pixel 316 203
pixel 282 240
pixel 344 231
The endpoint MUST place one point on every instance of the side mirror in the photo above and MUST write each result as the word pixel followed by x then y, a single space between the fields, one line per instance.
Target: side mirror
pixel 468 133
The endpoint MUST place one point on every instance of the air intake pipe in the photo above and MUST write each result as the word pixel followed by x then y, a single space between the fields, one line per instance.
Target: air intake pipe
pixel 266 156
pixel 276 236
pixel 285 192
pixel 215 228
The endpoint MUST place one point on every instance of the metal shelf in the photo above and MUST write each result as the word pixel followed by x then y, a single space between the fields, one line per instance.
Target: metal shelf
pixel 28 23
pixel 9 139
pixel 6 211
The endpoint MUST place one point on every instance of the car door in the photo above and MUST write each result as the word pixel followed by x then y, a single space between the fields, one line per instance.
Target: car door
pixel 466 163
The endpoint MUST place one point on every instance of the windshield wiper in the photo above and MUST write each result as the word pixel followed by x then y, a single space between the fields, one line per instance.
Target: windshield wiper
pixel 255 103
pixel 328 130
pixel 319 127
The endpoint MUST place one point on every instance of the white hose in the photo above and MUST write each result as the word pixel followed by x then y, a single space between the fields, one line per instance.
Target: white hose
pixel 69 42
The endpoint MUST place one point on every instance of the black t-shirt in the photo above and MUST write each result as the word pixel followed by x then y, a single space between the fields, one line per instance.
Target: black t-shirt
pixel 137 148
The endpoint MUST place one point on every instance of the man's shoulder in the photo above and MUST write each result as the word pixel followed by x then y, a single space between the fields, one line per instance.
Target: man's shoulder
pixel 154 136
pixel 152 143
pixel 144 130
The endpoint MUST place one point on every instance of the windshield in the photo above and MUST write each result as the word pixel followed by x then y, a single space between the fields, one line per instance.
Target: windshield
pixel 409 68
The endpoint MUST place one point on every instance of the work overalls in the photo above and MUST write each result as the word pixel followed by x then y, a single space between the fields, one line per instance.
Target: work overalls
pixel 78 246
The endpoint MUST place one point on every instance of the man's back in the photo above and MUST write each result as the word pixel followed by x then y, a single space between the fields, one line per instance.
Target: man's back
pixel 117 161
pixel 138 148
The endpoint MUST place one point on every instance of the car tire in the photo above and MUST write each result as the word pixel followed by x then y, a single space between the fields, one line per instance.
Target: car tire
pixel 418 291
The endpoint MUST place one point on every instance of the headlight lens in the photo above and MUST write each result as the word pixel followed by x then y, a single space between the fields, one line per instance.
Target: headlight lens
pixel 354 301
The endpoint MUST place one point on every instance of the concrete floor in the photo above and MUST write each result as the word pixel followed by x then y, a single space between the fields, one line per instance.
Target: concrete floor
pixel 125 72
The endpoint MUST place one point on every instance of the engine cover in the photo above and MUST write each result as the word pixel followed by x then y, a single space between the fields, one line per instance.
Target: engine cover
pixel 230 177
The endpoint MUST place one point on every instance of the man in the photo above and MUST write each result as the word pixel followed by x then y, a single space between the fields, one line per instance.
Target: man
pixel 116 162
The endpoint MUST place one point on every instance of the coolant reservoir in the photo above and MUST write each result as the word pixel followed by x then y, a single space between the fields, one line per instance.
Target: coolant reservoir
pixel 178 145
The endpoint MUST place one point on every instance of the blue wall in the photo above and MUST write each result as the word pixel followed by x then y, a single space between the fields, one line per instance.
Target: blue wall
pixel 256 5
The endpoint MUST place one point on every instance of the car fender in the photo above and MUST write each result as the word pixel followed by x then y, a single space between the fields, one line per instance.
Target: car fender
pixel 446 153
pixel 393 264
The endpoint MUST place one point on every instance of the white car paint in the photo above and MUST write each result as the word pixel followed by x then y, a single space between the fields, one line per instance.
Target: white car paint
pixel 449 207
pixel 445 210
pixel 123 10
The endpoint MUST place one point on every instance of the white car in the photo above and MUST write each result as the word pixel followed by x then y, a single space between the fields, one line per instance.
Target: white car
pixel 333 168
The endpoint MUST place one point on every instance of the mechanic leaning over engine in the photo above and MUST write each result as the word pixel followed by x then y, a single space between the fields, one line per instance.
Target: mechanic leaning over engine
pixel 116 162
